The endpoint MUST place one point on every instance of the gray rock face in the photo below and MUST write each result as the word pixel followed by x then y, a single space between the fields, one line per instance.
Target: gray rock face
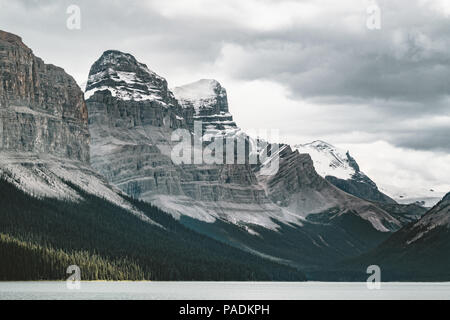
pixel 42 109
pixel 127 139
pixel 360 185
pixel 44 133
pixel 132 146
pixel 210 102
pixel 131 113
pixel 134 93
pixel 131 129
pixel 362 188
pixel 298 188
pixel 296 173
pixel 235 183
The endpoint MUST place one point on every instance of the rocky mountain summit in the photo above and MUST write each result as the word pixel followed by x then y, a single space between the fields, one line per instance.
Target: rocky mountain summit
pixel 132 145
pixel 209 100
pixel 44 133
pixel 128 80
pixel 342 170
pixel 42 109
pixel 299 188
pixel 57 211
pixel 132 148
pixel 66 160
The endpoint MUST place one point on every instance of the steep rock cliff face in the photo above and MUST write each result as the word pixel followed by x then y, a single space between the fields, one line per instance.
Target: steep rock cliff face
pixel 210 102
pixel 130 111
pixel 294 214
pixel 143 93
pixel 132 119
pixel 44 133
pixel 42 109
pixel 298 188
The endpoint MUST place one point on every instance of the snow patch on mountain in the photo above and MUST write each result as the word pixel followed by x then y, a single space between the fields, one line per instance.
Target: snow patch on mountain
pixel 126 79
pixel 117 58
pixel 123 93
pixel 45 176
pixel 328 160
pixel 298 188
pixel 122 89
pixel 266 215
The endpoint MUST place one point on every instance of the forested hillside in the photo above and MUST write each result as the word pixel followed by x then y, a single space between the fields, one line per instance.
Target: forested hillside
pixel 40 238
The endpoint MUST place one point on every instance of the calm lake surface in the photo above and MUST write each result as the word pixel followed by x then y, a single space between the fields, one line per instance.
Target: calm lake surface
pixel 221 291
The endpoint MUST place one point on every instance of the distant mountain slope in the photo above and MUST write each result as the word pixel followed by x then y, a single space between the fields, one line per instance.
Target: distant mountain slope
pixel 40 238
pixel 298 188
pixel 420 250
pixel 72 186
pixel 342 170
pixel 234 203
pixel 132 146
pixel 56 210
pixel 405 213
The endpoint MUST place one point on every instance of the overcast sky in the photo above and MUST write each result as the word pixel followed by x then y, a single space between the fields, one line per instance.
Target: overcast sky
pixel 312 69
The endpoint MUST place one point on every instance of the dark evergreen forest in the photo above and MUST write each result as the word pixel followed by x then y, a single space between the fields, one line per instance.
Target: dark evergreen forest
pixel 40 238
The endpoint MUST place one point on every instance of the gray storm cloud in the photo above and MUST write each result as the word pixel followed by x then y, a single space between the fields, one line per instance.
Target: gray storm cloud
pixel 320 52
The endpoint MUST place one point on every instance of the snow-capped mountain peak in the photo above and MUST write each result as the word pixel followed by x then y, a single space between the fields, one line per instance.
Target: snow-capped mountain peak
pixel 126 79
pixel 45 117
pixel 342 170
pixel 329 160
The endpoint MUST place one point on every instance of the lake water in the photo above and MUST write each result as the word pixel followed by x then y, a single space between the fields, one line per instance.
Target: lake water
pixel 221 291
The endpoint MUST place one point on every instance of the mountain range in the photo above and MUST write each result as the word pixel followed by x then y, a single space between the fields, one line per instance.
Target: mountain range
pixel 92 178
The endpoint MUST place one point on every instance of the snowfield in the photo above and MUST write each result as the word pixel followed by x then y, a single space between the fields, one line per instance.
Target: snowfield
pixel 328 160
